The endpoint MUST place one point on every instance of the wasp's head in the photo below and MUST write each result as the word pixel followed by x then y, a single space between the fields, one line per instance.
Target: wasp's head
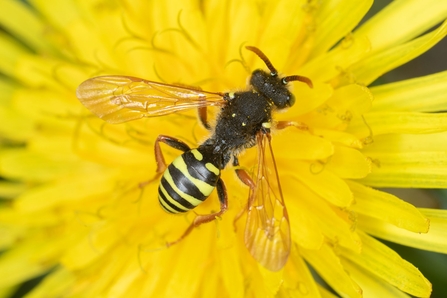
pixel 272 87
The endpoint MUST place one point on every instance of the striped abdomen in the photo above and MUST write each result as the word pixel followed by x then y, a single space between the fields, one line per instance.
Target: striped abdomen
pixel 187 182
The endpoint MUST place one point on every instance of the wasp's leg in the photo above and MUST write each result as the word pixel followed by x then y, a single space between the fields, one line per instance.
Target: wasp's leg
pixel 243 175
pixel 284 124
pixel 204 218
pixel 203 117
pixel 170 141
pixel 159 158
pixel 246 179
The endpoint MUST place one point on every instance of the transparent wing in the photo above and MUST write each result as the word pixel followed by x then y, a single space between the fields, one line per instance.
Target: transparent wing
pixel 118 99
pixel 267 233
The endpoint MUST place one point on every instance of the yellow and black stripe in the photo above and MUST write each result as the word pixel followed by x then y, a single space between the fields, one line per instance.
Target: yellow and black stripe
pixel 187 182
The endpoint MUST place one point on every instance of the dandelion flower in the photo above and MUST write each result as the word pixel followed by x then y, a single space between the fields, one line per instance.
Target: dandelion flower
pixel 73 208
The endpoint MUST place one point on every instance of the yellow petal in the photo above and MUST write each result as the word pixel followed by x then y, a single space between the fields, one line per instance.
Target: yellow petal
pixel 330 28
pixel 7 89
pixel 118 276
pixel 313 175
pixel 10 52
pixel 41 256
pixel 410 170
pixel 307 99
pixel 338 137
pixel 21 21
pixel 72 188
pixel 370 284
pixel 214 285
pixel 9 237
pixel 92 147
pixel 339 59
pixel 88 248
pixel 346 102
pixel 298 280
pixel 88 45
pixel 388 208
pixel 301 146
pixel 381 260
pixel 423 94
pixel 40 219
pixel 62 14
pixel 410 143
pixel 279 32
pixel 325 293
pixel 272 280
pixel 47 107
pixel 19 128
pixel 230 251
pixel 37 73
pixel 401 21
pixel 435 240
pixel 56 284
pixel 369 69
pixel 348 163
pixel 398 122
pixel 158 260
pixel 301 200
pixel 305 230
pixel 10 190
pixel 179 283
pixel 408 160
pixel 355 98
pixel 23 164
pixel 328 266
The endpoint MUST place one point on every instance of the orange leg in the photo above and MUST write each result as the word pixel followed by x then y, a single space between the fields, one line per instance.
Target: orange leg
pixel 243 175
pixel 170 141
pixel 203 117
pixel 159 158
pixel 204 218
pixel 284 124
pixel 246 179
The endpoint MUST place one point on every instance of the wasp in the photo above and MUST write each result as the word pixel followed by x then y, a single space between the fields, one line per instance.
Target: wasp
pixel 244 120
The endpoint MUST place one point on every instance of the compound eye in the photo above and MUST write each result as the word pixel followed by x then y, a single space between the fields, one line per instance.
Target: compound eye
pixel 284 100
pixel 291 100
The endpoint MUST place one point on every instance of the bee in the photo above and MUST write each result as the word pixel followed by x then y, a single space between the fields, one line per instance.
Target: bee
pixel 245 120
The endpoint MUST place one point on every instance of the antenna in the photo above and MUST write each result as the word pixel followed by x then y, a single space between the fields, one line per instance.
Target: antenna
pixel 264 58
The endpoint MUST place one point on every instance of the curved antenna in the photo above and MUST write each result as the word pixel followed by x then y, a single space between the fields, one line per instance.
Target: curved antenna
pixel 306 80
pixel 264 58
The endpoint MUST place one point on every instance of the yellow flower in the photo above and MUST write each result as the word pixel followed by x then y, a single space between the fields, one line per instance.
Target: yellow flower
pixel 76 211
